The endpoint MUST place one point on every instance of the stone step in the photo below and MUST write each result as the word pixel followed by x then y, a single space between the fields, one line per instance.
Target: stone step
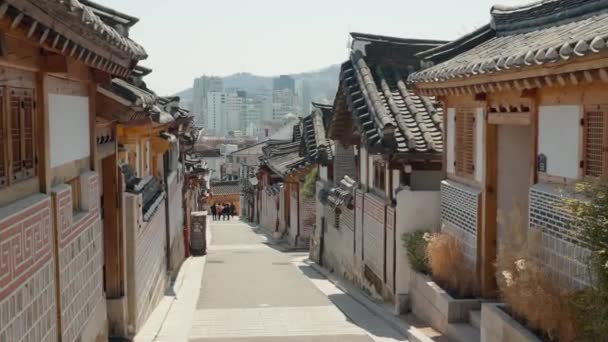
pixel 475 318
pixel 463 332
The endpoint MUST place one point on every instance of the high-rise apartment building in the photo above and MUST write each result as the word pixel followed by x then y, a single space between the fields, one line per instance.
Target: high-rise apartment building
pixel 202 87
pixel 284 82
pixel 306 97
pixel 215 120
pixel 283 97
pixel 283 102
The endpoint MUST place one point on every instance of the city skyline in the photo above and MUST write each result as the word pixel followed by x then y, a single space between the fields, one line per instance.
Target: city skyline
pixel 284 43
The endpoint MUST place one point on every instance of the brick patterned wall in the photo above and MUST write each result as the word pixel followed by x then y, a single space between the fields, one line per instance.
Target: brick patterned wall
pixel 176 215
pixel 344 163
pixel 460 207
pixel 390 246
pixel 27 291
pixel 347 218
pixel 373 230
pixel 561 253
pixel 308 211
pixel 150 265
pixel 80 256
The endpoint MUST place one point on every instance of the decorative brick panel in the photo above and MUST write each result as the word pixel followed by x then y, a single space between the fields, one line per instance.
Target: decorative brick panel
pixel 347 218
pixel 374 234
pixel 561 252
pixel 460 207
pixel 344 163
pixel 80 256
pixel 374 208
pixel 27 291
pixel 150 264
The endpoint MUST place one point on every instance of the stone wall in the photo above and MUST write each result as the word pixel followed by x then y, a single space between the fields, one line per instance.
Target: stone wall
pixel 80 261
pixel 344 162
pixel 308 214
pixel 374 234
pixel 27 273
pixel 561 253
pixel 339 254
pixel 292 229
pixel 268 211
pixel 150 266
pixel 176 222
pixel 460 208
pixel 146 260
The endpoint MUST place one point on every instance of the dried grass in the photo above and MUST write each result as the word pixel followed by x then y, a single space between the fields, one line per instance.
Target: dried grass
pixel 527 288
pixel 449 267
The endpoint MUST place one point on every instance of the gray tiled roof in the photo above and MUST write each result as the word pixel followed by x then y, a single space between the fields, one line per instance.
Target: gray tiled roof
pixel 316 147
pixel 376 95
pixel 283 157
pixel 225 188
pixel 525 36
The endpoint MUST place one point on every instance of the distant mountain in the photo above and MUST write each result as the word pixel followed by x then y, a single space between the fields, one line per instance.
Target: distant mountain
pixel 323 83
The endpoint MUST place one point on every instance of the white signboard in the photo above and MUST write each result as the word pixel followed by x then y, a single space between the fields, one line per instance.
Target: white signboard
pixel 68 128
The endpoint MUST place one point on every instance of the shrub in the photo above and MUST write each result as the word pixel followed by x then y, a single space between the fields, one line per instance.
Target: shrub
pixel 449 267
pixel 310 184
pixel 526 287
pixel 415 245
pixel 589 207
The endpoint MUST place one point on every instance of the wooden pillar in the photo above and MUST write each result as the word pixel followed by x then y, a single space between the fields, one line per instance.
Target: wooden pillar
pixel 486 247
pixel 43 137
pixel 92 91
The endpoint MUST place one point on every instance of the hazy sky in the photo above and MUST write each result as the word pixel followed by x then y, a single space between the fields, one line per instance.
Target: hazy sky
pixel 189 38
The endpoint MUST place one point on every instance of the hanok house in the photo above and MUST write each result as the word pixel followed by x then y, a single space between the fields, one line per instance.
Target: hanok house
pixel 386 171
pixel 53 55
pixel 226 192
pixel 526 113
pixel 283 209
pixel 143 184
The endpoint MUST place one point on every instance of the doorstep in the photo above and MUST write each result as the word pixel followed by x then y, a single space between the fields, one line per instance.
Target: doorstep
pixel 408 325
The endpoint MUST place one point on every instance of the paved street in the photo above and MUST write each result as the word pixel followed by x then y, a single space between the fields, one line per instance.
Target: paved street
pixel 253 291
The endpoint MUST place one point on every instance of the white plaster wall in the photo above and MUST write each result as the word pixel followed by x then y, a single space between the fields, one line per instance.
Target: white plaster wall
pixel 323 173
pixel 479 144
pixel 396 181
pixel 68 128
pixel 363 167
pixel 416 210
pixel 559 139
pixel 451 139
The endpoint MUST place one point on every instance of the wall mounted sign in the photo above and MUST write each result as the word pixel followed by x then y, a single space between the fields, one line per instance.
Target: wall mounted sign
pixel 541 163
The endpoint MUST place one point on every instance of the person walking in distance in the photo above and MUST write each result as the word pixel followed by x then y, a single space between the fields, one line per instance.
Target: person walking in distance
pixel 219 210
pixel 226 212
pixel 213 213
pixel 232 210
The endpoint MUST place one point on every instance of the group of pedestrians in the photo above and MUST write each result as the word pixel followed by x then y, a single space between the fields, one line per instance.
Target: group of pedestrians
pixel 223 211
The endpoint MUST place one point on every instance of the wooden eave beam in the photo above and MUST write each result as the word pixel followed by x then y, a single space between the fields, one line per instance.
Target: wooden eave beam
pixel 590 62
pixel 107 51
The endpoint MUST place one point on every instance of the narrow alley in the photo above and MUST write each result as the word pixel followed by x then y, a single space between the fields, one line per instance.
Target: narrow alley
pixel 253 290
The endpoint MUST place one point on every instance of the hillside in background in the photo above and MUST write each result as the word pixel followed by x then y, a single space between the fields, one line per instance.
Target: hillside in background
pixel 323 83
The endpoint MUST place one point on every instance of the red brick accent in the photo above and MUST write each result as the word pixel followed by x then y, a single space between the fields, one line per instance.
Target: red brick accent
pixel 69 230
pixel 25 245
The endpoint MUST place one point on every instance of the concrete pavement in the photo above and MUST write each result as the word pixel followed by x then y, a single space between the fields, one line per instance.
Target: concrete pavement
pixel 253 291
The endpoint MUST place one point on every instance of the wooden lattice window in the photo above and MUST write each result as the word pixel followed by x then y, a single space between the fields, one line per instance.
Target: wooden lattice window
pixel 17 135
pixel 464 159
pixel 596 144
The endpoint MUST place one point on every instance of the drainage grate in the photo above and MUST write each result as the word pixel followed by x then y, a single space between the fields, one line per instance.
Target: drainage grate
pixel 215 262
pixel 281 263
